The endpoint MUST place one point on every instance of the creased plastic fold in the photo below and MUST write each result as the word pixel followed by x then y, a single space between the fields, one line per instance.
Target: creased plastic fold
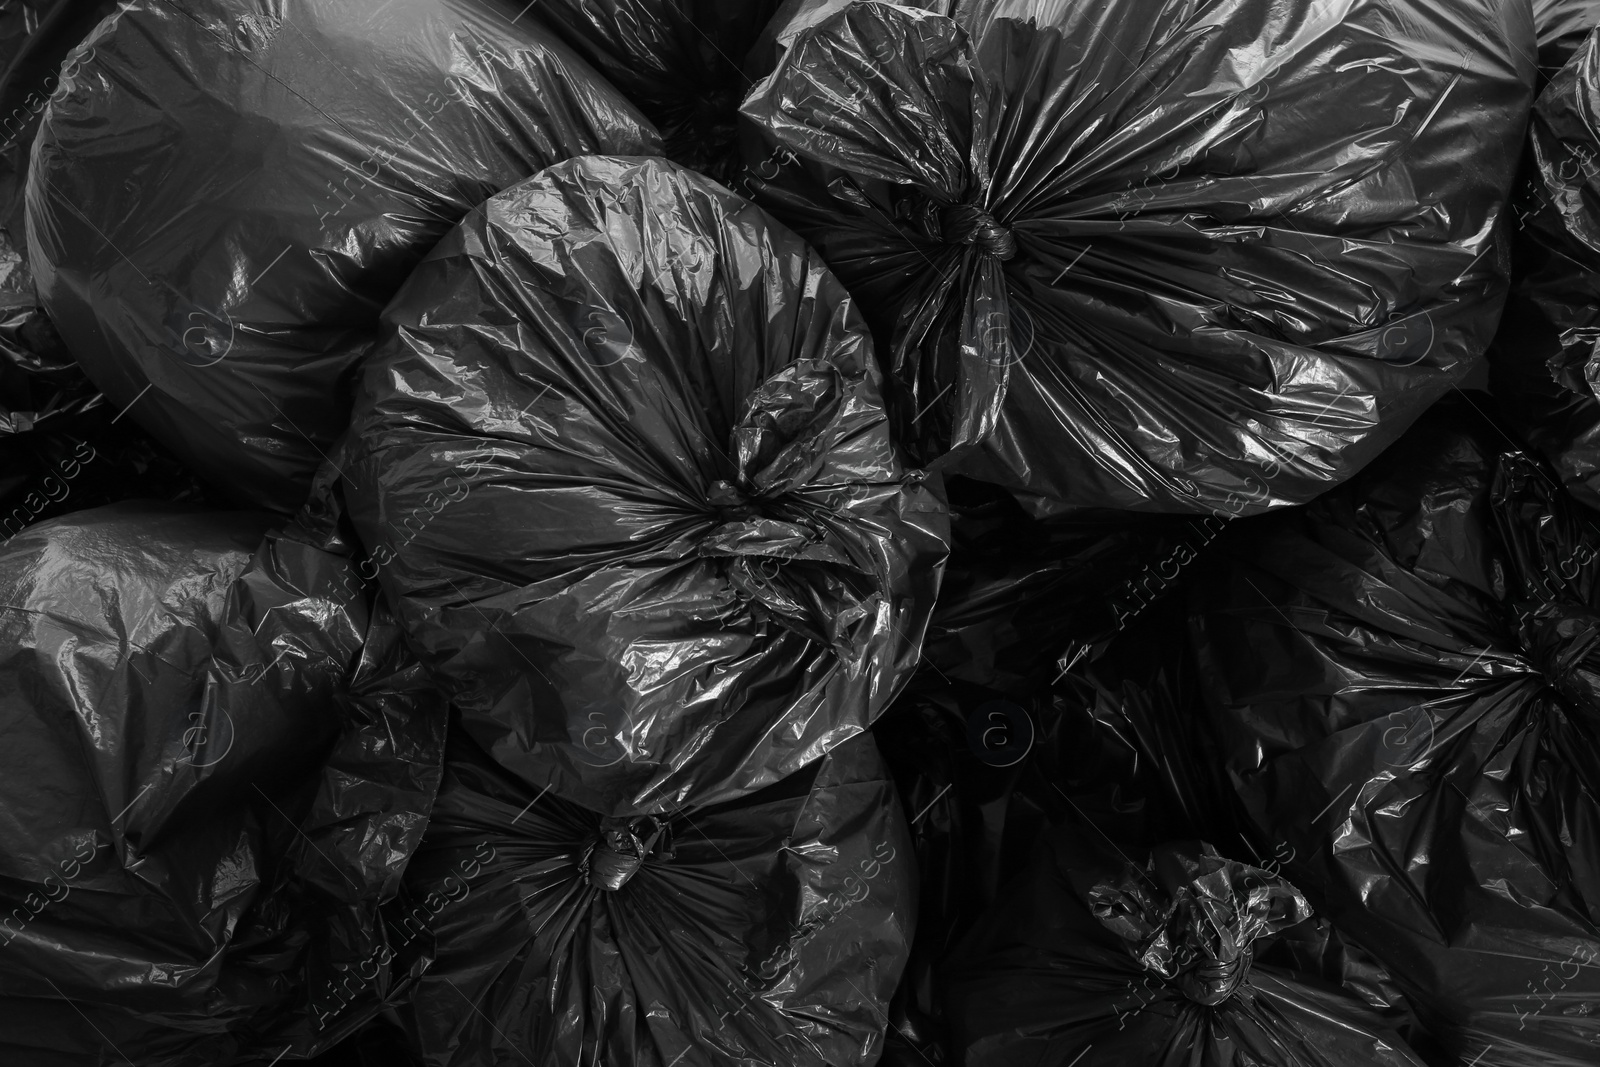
pixel 225 194
pixel 622 466
pixel 1184 258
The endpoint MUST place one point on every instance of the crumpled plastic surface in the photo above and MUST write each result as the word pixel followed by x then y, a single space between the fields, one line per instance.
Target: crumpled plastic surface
pixel 622 467
pixel 35 36
pixel 225 194
pixel 170 685
pixel 768 931
pixel 1543 364
pixel 1094 957
pixel 682 61
pixel 1562 26
pixel 62 446
pixel 376 790
pixel 381 1044
pixel 1403 684
pixel 1191 258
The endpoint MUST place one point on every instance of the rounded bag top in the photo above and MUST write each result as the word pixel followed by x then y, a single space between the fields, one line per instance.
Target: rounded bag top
pixel 1404 683
pixel 622 466
pixel 225 193
pixel 767 932
pixel 1175 257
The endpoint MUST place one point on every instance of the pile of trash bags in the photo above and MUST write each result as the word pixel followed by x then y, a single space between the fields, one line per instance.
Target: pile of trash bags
pixel 800 533
pixel 224 195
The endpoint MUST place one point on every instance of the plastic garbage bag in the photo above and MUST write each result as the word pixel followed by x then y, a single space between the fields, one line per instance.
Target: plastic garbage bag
pixel 621 464
pixel 1543 364
pixel 35 36
pixel 62 445
pixel 682 61
pixel 1098 957
pixel 1184 257
pixel 1117 746
pixel 185 705
pixel 1402 683
pixel 352 847
pixel 1562 26
pixel 766 932
pixel 225 193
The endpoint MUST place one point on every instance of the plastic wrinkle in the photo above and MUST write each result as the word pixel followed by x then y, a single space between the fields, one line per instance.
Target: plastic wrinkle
pixel 687 559
pixel 1403 680
pixel 1153 258
pixel 243 277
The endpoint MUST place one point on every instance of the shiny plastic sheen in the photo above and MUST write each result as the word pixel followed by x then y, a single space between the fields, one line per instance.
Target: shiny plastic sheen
pixel 621 464
pixel 1543 363
pixel 225 193
pixel 1187 257
pixel 1095 959
pixel 767 932
pixel 1404 681
pixel 681 61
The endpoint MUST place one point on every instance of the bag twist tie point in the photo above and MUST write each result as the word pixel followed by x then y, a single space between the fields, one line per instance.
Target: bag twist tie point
pixel 970 224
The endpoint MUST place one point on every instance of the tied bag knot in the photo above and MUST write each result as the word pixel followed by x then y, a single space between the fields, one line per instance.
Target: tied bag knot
pixel 969 224
pixel 1562 641
pixel 621 850
pixel 788 568
pixel 1192 917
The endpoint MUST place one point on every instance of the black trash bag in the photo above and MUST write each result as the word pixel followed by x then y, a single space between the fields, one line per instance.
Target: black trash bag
pixel 1179 258
pixel 35 36
pixel 170 685
pixel 1543 364
pixel 366 821
pixel 1562 26
pixel 1127 750
pixel 682 61
pixel 1019 593
pixel 1095 958
pixel 983 772
pixel 205 230
pixel 622 467
pixel 1117 746
pixel 1402 683
pixel 765 932
pixel 63 447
